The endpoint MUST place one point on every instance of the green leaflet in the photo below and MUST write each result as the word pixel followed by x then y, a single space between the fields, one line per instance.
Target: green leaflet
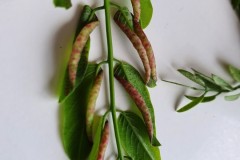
pixel 235 73
pixel 219 81
pixel 129 73
pixel 205 99
pixel 209 82
pixel 124 16
pixel 82 66
pixel 63 3
pixel 97 129
pixel 146 12
pixel 134 138
pixel 192 104
pixel 75 139
pixel 232 97
pixel 192 77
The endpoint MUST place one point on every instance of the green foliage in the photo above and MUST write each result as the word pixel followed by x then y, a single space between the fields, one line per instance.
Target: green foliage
pixel 220 82
pixel 210 84
pixel 73 98
pixel 128 72
pixel 205 99
pixel 99 124
pixel 192 104
pixel 235 72
pixel 134 138
pixel 75 138
pixel 124 16
pixel 232 97
pixel 192 77
pixel 86 17
pixel 63 3
pixel 146 12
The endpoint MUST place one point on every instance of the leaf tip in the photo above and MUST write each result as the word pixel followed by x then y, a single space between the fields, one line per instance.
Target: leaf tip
pixel 155 142
pixel 62 3
pixel 151 83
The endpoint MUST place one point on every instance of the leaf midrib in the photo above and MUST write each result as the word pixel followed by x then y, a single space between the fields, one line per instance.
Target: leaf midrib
pixel 139 138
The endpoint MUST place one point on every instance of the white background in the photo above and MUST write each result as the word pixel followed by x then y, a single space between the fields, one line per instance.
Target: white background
pixel 204 35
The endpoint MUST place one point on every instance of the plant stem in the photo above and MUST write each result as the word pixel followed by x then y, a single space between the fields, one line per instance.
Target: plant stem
pixel 111 77
pixel 94 11
pixel 199 89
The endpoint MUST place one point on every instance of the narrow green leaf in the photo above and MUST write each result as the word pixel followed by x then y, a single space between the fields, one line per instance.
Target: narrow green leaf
pixel 146 12
pixel 219 81
pixel 192 77
pixel 75 139
pixel 192 104
pixel 202 75
pixel 205 99
pixel 232 97
pixel 134 138
pixel 99 123
pixel 235 73
pixel 209 82
pixel 129 73
pixel 63 3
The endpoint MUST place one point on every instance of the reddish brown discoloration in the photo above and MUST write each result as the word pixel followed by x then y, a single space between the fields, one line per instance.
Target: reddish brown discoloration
pixel 136 9
pixel 104 141
pixel 137 43
pixel 78 48
pixel 147 46
pixel 139 101
pixel 92 102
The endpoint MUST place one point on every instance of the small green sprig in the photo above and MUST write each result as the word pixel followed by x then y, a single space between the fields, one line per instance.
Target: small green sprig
pixel 213 84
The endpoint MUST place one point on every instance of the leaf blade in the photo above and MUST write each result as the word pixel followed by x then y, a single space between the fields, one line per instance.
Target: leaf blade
pixel 97 138
pixel 232 97
pixel 205 99
pixel 124 16
pixel 191 77
pixel 63 3
pixel 129 73
pixel 133 133
pixel 209 82
pixel 221 82
pixel 192 104
pixel 146 12
pixel 235 73
pixel 75 140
